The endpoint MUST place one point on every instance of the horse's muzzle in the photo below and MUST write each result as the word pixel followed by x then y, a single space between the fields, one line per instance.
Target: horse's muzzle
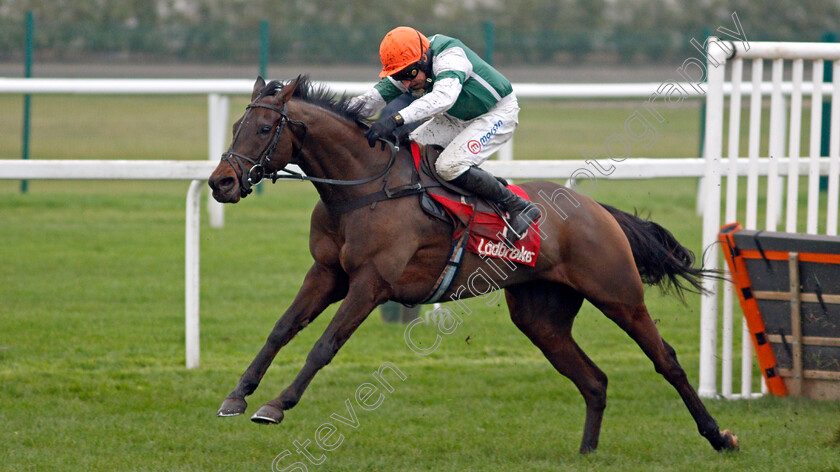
pixel 225 188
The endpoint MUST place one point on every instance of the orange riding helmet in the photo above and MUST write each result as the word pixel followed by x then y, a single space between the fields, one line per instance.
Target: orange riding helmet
pixel 400 48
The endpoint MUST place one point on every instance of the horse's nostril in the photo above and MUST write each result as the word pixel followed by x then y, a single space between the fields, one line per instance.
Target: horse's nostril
pixel 227 183
pixel 222 184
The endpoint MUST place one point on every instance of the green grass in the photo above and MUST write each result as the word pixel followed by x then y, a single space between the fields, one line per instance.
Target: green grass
pixel 574 130
pixel 91 311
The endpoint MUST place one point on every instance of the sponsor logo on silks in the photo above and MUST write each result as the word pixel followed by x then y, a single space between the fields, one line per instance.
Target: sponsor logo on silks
pixel 474 146
pixel 495 129
pixel 489 248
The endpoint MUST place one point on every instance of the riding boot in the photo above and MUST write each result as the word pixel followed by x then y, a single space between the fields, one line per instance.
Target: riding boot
pixel 521 212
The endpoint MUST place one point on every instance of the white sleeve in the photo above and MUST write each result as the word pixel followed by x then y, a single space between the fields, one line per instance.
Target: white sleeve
pixel 370 101
pixel 445 91
pixel 440 99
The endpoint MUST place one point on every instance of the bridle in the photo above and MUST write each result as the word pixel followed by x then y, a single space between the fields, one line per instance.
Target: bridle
pixel 257 171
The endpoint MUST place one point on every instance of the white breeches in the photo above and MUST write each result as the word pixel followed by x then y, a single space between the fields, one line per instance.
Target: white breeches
pixel 469 143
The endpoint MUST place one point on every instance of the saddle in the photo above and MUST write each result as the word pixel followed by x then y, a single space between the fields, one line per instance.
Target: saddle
pixel 439 189
pixel 483 222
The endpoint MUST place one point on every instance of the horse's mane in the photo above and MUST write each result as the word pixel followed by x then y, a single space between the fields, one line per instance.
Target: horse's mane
pixel 318 95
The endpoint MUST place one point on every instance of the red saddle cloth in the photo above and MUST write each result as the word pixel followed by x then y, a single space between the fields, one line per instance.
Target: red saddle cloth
pixel 485 225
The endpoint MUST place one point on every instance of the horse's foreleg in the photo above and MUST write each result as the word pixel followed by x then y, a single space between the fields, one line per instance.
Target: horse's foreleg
pixel 321 287
pixel 366 293
pixel 545 313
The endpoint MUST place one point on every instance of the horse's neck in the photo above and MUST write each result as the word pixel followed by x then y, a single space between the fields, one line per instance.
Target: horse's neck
pixel 336 149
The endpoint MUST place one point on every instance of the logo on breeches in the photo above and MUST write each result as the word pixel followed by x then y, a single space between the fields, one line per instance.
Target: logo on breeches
pixel 487 136
pixel 474 146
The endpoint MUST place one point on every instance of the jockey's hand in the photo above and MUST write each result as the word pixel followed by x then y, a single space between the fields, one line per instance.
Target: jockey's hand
pixel 383 129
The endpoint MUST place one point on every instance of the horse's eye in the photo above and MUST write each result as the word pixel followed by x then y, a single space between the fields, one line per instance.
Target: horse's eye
pixel 265 129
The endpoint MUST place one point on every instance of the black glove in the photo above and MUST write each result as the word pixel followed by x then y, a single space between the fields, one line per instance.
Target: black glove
pixel 383 129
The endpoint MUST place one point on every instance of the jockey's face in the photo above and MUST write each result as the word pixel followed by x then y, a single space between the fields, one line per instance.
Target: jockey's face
pixel 415 83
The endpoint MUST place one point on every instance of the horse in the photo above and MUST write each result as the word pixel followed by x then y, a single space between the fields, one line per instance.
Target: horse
pixel 369 253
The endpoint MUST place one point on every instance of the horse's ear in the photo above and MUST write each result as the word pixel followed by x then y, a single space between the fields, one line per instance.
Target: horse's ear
pixel 258 85
pixel 288 90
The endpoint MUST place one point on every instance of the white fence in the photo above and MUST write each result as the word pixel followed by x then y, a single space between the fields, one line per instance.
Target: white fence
pixel 199 171
pixel 734 54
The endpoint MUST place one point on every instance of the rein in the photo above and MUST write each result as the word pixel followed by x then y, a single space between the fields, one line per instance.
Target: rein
pixel 292 175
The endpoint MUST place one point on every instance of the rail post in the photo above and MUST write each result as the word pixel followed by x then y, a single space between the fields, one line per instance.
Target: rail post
pixel 218 109
pixel 711 218
pixel 27 99
pixel 191 271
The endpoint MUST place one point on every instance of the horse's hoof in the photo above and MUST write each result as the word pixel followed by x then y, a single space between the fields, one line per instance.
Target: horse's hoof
pixel 584 450
pixel 232 407
pixel 268 414
pixel 732 443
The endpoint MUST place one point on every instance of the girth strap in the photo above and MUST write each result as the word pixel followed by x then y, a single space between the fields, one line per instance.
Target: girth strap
pixel 446 277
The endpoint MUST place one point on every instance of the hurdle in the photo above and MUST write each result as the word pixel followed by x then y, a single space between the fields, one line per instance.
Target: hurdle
pixel 785 125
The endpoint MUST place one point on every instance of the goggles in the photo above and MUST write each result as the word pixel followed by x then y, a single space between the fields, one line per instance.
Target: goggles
pixel 408 73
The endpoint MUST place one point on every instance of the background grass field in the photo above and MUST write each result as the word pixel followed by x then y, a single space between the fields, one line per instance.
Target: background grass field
pixel 91 314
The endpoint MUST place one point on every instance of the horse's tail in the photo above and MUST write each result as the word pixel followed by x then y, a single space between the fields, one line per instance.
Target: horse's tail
pixel 660 258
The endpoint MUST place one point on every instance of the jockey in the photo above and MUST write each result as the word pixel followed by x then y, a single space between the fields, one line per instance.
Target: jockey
pixel 470 107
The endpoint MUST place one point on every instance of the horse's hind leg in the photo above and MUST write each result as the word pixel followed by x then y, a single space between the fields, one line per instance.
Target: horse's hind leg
pixel 321 287
pixel 545 312
pixel 636 321
pixel 602 268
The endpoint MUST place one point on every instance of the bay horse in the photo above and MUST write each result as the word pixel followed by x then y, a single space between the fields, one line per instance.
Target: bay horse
pixel 365 255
